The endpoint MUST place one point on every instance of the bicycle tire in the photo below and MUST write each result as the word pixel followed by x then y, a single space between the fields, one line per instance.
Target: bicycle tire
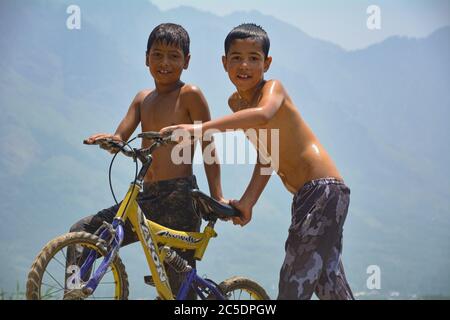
pixel 240 283
pixel 38 268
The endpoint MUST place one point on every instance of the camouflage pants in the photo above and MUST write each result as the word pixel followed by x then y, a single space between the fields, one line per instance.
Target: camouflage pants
pixel 314 245
pixel 166 202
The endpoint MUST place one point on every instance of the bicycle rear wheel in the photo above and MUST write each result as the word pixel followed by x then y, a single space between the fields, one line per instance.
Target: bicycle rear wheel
pixel 51 277
pixel 239 288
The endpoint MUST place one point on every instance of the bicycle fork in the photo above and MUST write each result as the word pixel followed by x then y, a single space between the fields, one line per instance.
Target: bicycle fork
pixel 114 231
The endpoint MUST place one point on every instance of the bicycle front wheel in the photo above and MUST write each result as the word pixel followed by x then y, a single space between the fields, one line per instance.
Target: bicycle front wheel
pixel 54 275
pixel 239 288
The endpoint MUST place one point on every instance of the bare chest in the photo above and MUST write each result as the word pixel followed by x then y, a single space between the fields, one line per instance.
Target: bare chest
pixel 158 112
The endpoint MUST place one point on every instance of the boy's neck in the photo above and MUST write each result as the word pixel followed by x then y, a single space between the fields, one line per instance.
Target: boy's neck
pixel 249 96
pixel 167 88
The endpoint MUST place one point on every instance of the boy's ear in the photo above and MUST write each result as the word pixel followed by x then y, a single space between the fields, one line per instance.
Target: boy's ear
pixel 186 61
pixel 267 63
pixel 146 59
pixel 224 62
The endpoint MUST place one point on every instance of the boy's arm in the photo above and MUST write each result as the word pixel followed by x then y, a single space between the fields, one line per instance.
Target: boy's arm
pixel 128 123
pixel 199 111
pixel 272 98
pixel 132 118
pixel 271 101
pixel 251 195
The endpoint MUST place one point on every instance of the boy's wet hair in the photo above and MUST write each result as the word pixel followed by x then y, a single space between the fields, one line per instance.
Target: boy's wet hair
pixel 172 34
pixel 248 31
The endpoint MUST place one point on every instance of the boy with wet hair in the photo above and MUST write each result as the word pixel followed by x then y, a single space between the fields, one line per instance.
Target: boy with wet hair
pixel 166 197
pixel 313 248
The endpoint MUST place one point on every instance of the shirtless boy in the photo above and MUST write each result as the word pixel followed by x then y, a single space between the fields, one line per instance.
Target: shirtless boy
pixel 166 198
pixel 313 248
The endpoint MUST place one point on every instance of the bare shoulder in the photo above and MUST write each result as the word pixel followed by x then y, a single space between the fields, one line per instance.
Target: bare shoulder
pixel 273 87
pixel 141 95
pixel 194 103
pixel 233 102
pixel 191 95
pixel 190 90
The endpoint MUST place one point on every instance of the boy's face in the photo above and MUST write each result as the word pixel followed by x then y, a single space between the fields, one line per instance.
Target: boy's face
pixel 245 63
pixel 166 62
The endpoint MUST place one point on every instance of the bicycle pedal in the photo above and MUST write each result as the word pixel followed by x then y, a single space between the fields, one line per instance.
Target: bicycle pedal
pixel 149 280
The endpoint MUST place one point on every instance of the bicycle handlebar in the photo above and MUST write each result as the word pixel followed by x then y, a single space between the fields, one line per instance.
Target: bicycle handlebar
pixel 155 136
pixel 112 145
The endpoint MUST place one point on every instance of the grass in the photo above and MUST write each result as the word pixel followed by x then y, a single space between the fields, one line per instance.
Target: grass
pixel 17 295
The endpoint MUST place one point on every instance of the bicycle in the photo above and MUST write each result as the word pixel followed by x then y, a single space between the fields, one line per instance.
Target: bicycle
pixel 82 280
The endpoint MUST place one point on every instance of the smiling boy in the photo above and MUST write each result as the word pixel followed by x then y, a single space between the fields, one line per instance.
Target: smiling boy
pixel 166 198
pixel 321 199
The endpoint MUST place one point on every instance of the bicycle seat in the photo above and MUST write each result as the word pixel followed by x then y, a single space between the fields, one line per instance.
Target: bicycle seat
pixel 211 208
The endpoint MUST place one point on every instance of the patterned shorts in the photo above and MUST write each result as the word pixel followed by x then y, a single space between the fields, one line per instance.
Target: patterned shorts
pixel 314 245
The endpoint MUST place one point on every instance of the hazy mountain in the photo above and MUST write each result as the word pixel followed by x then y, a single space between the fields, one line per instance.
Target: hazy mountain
pixel 382 113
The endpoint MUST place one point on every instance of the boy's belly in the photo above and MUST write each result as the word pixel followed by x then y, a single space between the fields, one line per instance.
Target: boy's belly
pixel 306 165
pixel 296 161
pixel 164 167
pixel 166 173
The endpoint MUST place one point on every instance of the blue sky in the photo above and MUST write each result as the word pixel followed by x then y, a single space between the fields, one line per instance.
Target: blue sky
pixel 341 22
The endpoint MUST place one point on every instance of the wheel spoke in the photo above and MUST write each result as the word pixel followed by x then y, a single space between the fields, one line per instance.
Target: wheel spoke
pixel 62 252
pixel 54 279
pixel 48 285
pixel 50 294
pixel 63 265
pixel 242 294
pixel 51 280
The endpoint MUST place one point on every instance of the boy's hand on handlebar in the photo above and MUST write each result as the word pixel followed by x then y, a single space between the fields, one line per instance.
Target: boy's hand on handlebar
pixel 170 129
pixel 182 133
pixel 98 136
pixel 246 212
pixel 103 136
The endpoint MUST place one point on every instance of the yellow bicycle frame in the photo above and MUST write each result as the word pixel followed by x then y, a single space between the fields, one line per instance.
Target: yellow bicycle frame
pixel 151 235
